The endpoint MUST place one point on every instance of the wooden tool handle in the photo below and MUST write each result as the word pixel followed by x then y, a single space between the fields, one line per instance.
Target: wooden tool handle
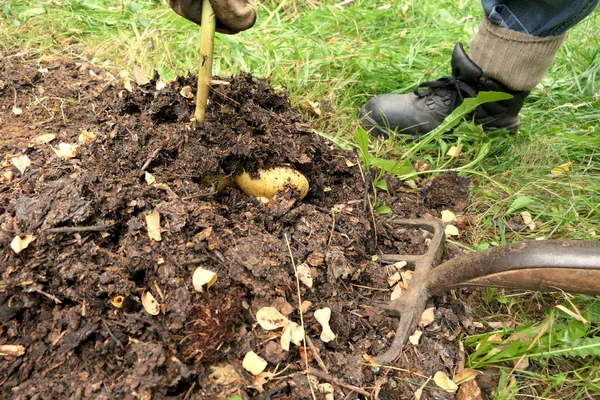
pixel 550 265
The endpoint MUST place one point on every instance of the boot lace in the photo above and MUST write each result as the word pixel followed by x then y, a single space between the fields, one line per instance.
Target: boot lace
pixel 450 86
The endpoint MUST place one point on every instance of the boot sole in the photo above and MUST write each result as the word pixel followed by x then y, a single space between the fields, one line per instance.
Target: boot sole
pixel 375 130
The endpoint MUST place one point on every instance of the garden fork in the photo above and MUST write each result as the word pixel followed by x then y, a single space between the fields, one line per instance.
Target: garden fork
pixel 546 265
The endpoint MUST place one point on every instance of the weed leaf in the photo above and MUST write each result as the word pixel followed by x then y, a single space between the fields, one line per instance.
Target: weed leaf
pixel 383 210
pixel 584 348
pixel 362 140
pixel 392 167
pixel 456 117
pixel 381 184
pixel 518 204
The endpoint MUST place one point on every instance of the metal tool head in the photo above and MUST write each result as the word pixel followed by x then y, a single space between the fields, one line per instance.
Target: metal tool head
pixel 412 303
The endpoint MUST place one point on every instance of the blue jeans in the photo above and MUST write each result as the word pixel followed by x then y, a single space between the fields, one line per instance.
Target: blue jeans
pixel 538 17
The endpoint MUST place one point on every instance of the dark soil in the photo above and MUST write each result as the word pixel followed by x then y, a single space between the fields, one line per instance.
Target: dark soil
pixel 58 296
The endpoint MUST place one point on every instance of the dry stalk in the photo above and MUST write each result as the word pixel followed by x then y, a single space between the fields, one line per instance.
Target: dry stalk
pixel 287 242
pixel 327 377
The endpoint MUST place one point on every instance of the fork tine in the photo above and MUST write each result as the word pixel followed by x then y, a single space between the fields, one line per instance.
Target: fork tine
pixel 412 303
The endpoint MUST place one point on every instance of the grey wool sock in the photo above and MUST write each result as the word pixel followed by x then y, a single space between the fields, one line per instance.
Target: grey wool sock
pixel 517 60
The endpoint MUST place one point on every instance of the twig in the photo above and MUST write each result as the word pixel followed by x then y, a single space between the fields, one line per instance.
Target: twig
pixel 53 367
pixel 268 394
pixel 320 360
pixel 332 227
pixel 218 82
pixel 327 377
pixel 31 287
pixel 287 242
pixel 15 98
pixel 390 367
pixel 117 341
pixel 189 392
pixel 192 261
pixel 461 358
pixel 317 356
pixel 48 295
pixel 151 158
pixel 79 229
pixel 420 390
pixel 22 179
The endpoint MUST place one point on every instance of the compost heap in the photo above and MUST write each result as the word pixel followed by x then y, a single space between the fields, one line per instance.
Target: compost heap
pixel 113 201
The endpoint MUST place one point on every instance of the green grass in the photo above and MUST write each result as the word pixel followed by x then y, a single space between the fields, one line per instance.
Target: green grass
pixel 342 56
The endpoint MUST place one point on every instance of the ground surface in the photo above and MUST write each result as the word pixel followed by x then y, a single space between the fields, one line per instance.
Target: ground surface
pixel 58 296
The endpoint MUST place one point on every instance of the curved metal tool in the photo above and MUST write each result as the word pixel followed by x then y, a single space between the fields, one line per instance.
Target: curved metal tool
pixel 549 265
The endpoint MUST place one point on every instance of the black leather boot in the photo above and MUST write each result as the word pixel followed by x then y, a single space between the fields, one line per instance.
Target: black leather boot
pixel 421 112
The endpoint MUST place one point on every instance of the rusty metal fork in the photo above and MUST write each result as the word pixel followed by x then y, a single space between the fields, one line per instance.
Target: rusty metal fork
pixel 547 265
pixel 412 303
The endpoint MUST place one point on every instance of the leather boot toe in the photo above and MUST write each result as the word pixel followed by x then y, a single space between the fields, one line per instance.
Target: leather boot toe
pixel 403 114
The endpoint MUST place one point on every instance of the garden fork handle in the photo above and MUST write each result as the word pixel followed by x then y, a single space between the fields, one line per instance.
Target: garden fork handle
pixel 548 265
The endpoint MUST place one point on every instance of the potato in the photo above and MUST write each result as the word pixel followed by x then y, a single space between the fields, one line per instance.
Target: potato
pixel 270 181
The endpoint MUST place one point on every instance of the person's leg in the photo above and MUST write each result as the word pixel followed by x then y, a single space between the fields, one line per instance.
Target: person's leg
pixel 511 52
pixel 518 40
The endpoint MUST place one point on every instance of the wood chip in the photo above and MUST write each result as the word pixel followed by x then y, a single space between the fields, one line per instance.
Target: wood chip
pixel 66 150
pixel 140 76
pixel 86 137
pixel 150 304
pixel 203 277
pixel 43 139
pixel 427 317
pixel 254 363
pixel 21 163
pixel 304 274
pixel 14 350
pixel 19 243
pixel 441 379
pixel 269 318
pixel 153 223
pixel 415 337
pixel 150 179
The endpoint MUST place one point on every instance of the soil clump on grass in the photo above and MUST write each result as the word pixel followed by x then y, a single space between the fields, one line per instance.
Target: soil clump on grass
pixel 71 301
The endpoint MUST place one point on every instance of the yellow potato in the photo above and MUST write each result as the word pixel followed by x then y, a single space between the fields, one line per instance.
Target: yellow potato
pixel 270 181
